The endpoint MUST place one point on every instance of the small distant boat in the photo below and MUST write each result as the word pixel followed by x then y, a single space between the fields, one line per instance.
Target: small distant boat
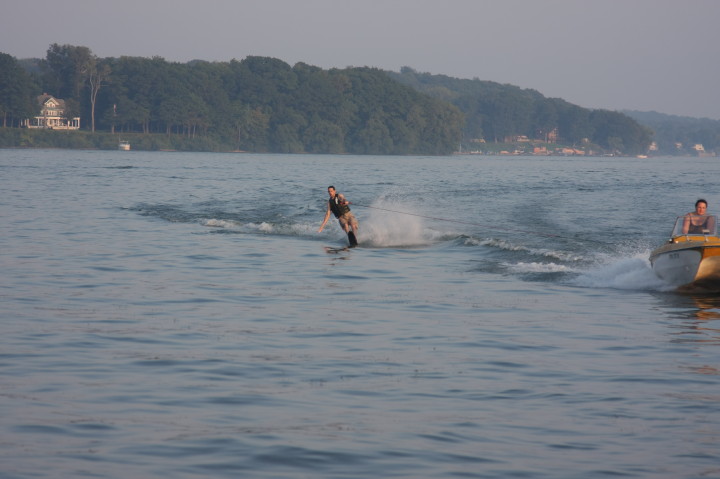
pixel 691 258
pixel 124 145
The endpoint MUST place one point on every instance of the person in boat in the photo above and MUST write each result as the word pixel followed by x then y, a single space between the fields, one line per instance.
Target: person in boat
pixel 338 205
pixel 697 222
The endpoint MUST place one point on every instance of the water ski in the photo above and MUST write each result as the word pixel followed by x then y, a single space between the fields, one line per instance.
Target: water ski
pixel 332 250
pixel 352 239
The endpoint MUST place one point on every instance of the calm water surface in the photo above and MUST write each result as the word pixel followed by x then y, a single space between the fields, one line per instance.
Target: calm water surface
pixel 178 315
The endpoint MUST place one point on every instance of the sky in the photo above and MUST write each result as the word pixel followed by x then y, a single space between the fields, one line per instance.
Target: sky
pixel 647 55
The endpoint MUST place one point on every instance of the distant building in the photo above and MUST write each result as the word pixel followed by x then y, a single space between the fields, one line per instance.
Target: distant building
pixel 553 135
pixel 52 115
pixel 569 152
pixel 700 150
pixel 516 139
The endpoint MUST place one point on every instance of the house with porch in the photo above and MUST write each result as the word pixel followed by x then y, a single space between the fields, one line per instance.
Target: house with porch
pixel 52 115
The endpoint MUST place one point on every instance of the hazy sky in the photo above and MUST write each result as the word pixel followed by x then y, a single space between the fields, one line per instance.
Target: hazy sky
pixel 661 55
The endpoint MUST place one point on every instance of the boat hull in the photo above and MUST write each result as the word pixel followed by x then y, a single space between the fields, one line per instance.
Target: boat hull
pixel 688 264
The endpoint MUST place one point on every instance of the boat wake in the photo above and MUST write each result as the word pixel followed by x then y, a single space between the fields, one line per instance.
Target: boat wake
pixel 627 269
pixel 379 228
pixel 260 227
pixel 507 245
pixel 629 272
pixel 388 225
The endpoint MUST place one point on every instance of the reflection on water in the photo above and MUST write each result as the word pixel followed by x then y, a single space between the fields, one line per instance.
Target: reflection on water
pixel 706 370
pixel 696 318
pixel 708 307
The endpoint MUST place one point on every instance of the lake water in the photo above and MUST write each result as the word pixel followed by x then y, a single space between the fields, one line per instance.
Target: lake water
pixel 177 315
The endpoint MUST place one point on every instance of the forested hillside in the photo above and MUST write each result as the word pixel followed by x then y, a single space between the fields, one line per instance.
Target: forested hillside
pixel 263 104
pixel 256 104
pixel 678 134
pixel 496 112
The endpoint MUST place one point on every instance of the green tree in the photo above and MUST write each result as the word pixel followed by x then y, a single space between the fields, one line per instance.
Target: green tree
pixel 324 137
pixel 544 118
pixel 171 112
pixel 618 132
pixel 252 127
pixel 72 108
pixel 196 116
pixel 574 123
pixel 66 68
pixel 374 138
pixel 17 92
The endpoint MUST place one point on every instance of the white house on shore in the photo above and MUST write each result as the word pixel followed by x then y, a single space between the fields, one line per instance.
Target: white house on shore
pixel 52 115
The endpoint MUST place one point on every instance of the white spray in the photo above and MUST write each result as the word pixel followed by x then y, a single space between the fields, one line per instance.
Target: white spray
pixel 389 224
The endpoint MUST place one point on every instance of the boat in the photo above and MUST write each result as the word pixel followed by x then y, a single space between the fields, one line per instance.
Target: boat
pixel 124 145
pixel 690 260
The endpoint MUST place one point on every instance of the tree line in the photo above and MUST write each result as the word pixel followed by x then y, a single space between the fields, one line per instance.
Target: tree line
pixel 678 134
pixel 496 112
pixel 263 104
pixel 257 104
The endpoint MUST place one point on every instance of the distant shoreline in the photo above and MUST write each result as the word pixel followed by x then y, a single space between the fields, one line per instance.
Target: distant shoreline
pixel 470 154
pixel 22 138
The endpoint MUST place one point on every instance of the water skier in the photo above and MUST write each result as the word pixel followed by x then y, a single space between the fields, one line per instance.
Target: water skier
pixel 338 205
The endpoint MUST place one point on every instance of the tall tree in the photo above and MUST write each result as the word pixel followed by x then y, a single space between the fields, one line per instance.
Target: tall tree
pixel 97 74
pixel 17 92
pixel 66 68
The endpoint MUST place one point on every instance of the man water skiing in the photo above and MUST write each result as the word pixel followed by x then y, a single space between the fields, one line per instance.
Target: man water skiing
pixel 338 205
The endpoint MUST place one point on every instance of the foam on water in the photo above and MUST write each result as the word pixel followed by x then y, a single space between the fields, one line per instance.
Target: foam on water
pixel 513 247
pixel 215 223
pixel 387 224
pixel 628 268
pixel 538 268
pixel 629 271
pixel 262 227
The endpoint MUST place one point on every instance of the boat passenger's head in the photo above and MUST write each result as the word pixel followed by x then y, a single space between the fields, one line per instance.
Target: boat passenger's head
pixel 701 206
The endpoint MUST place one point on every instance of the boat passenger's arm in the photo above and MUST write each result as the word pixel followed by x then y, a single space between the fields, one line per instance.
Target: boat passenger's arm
pixel 710 225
